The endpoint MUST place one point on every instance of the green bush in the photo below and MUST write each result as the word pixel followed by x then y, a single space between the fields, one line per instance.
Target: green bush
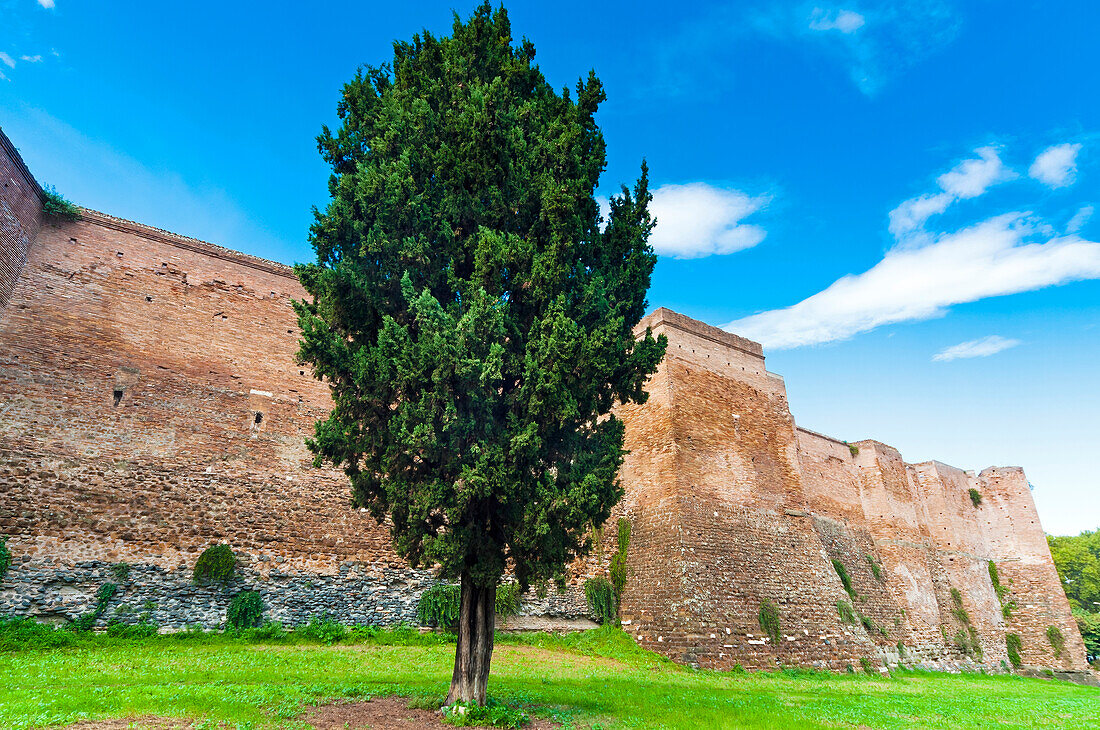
pixel 601 599
pixel 246 611
pixel 143 630
pixel 509 599
pixel 769 620
pixel 845 579
pixel 493 714
pixel 268 631
pixel 847 614
pixel 868 668
pixel 975 497
pixel 1057 640
pixel 440 605
pixel 1014 644
pixel 24 633
pixel 55 205
pixel 215 565
pixel 854 450
pixel 121 572
pixel 323 629
pixel 5 557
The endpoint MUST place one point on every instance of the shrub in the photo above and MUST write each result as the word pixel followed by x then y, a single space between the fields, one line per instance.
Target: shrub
pixel 847 615
pixel 769 619
pixel 901 650
pixel 55 205
pixel 618 568
pixel 440 605
pixel 269 631
pixel 1007 607
pixel 601 599
pixel 845 579
pixel 25 633
pixel 975 497
pixel 876 569
pixel 868 668
pixel 1057 640
pixel 1014 644
pixel 215 565
pixel 323 629
pixel 246 611
pixel 493 714
pixel 854 450
pixel 5 557
pixel 143 630
pixel 121 572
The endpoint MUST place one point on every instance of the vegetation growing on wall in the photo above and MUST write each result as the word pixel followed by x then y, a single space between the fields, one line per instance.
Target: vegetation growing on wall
pixel 845 579
pixel 876 569
pixel 246 611
pixel 103 596
pixel 769 619
pixel 1057 641
pixel 215 565
pixel 5 557
pixel 618 569
pixel 853 449
pixel 1009 605
pixel 600 595
pixel 975 497
pixel 1013 644
pixel 121 572
pixel 847 614
pixel 55 205
pixel 966 639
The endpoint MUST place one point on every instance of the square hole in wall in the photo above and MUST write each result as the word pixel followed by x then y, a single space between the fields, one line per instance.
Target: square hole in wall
pixel 117 395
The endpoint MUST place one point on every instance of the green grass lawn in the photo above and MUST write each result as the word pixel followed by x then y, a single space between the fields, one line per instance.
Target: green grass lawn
pixel 595 679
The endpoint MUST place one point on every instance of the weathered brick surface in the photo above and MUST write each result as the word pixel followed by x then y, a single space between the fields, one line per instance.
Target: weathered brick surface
pixel 151 406
pixel 20 216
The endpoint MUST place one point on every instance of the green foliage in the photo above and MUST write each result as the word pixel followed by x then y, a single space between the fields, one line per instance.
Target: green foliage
pixel 1007 606
pixel 847 615
pixel 121 572
pixel 439 606
pixel 854 450
pixel 901 650
pixel 966 638
pixel 470 310
pixel 868 668
pixel 1089 624
pixel 55 205
pixel 215 565
pixel 509 600
pixel 600 595
pixel 142 630
pixel 618 568
pixel 103 596
pixel 493 714
pixel 769 619
pixel 5 557
pixel 267 631
pixel 324 629
pixel 845 579
pixel 876 569
pixel 1077 559
pixel 975 497
pixel 1057 641
pixel 246 611
pixel 1014 645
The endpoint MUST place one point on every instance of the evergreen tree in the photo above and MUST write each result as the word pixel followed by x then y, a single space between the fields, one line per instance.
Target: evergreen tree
pixel 473 319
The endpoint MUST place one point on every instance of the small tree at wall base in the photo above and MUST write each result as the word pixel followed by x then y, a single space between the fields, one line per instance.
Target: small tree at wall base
pixel 474 316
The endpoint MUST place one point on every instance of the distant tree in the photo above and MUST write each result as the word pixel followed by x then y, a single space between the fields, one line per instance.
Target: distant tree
pixel 473 318
pixel 1077 559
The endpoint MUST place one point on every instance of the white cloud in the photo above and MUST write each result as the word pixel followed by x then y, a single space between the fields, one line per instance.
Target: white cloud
pixel 5 58
pixel 846 21
pixel 969 179
pixel 982 347
pixel 993 258
pixel 31 59
pixel 1056 166
pixel 696 220
pixel 1079 219
pixel 48 4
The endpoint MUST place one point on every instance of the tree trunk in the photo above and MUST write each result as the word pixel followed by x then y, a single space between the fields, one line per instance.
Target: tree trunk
pixel 476 621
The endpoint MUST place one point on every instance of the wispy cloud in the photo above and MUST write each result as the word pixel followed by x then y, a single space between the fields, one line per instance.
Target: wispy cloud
pixel 1056 166
pixel 969 179
pixel 48 4
pixel 1079 219
pixel 696 220
pixel 925 274
pixel 31 59
pixel 982 347
pixel 7 60
pixel 846 21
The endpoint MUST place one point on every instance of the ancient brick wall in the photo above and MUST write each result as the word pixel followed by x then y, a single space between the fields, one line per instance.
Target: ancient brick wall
pixel 150 405
pixel 20 216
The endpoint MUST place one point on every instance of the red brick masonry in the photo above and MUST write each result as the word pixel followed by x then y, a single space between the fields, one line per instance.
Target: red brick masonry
pixel 150 405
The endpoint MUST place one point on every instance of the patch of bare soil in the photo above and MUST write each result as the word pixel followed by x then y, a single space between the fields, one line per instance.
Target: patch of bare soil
pixel 134 723
pixel 386 713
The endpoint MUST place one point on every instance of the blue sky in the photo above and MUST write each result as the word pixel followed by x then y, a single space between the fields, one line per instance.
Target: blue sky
pixel 895 197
